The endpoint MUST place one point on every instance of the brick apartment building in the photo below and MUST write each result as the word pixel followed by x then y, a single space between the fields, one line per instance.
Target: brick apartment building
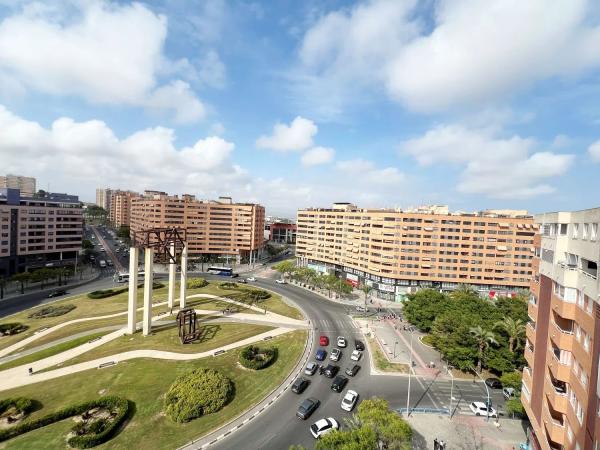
pixel 119 212
pixel 561 387
pixel 216 228
pixel 398 251
pixel 36 232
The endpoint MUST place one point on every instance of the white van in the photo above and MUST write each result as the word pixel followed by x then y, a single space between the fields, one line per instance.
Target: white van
pixel 102 263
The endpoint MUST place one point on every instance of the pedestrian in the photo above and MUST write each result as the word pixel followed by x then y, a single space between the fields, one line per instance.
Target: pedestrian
pixel 442 445
pixel 436 444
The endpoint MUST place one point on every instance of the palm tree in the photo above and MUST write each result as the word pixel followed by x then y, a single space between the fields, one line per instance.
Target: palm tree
pixel 366 289
pixel 515 329
pixel 483 338
pixel 23 278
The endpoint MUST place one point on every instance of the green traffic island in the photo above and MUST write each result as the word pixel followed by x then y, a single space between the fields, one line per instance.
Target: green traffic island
pixel 256 358
pixel 105 293
pixel 9 329
pixel 96 421
pixel 52 311
pixel 196 283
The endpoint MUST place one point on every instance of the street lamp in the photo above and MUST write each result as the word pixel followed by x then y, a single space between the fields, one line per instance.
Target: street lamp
pixel 395 344
pixel 409 372
pixel 489 403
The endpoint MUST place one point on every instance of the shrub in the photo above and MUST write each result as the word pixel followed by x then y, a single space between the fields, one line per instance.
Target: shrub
pixel 253 357
pixel 104 293
pixel 51 311
pixel 21 404
pixel 197 283
pixel 7 329
pixel 85 441
pixel 200 392
pixel 228 285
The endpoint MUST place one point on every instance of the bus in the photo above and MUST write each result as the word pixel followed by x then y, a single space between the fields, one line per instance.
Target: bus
pixel 224 271
pixel 123 277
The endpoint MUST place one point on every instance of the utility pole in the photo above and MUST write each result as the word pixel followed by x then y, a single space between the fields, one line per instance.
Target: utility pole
pixel 449 369
pixel 488 404
pixel 409 373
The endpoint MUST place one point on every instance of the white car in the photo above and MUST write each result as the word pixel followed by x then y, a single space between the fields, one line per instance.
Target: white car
pixel 280 281
pixel 335 354
pixel 341 341
pixel 479 409
pixel 356 355
pixel 323 426
pixel 349 400
pixel 250 279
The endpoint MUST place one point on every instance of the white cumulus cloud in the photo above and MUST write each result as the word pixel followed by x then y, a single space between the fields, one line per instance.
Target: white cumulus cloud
pixel 365 170
pixel 594 151
pixel 298 135
pixel 317 156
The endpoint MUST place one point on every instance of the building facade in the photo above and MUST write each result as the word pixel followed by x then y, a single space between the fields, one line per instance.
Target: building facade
pixel 25 184
pixel 38 232
pixel 561 387
pixel 119 213
pixel 103 196
pixel 217 228
pixel 282 233
pixel 397 252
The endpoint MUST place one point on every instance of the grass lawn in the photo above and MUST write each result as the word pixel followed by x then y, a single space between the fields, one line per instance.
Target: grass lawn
pixel 145 383
pixel 50 351
pixel 381 362
pixel 214 335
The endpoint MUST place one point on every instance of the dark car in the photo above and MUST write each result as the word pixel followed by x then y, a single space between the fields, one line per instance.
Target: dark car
pixel 338 383
pixel 320 355
pixel 235 275
pixel 307 407
pixel 57 293
pixel 300 385
pixel 494 383
pixel 358 345
pixel 331 370
pixel 353 370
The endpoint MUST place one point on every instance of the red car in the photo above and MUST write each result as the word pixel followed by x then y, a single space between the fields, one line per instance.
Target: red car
pixel 323 340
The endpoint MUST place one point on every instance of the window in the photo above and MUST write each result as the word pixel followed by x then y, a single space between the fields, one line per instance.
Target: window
pixel 575 230
pixel 594 233
pixel 586 342
pixel 586 230
pixel 584 379
pixel 579 414
pixel 563 229
pixel 569 433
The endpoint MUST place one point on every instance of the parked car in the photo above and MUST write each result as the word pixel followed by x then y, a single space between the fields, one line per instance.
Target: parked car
pixel 352 370
pixel 307 407
pixel 335 355
pixel 323 341
pixel 242 280
pixel 356 355
pixel 358 345
pixel 331 370
pixel 341 342
pixel 311 368
pixel 251 279
pixel 362 309
pixel 280 281
pixel 494 383
pixel 57 293
pixel 479 409
pixel 235 275
pixel 508 392
pixel 349 400
pixel 323 426
pixel 339 383
pixel 320 355
pixel 300 385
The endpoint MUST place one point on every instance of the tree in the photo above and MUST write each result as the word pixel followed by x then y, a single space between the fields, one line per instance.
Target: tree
pixel 512 380
pixel 42 275
pixel 123 232
pixel 515 407
pixel 515 329
pixel 329 281
pixel 464 290
pixel 341 288
pixel 23 278
pixel 86 244
pixel 366 289
pixel 285 267
pixel 483 339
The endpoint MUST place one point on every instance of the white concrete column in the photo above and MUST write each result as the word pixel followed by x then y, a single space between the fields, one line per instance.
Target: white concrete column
pixel 134 254
pixel 183 282
pixel 172 268
pixel 149 280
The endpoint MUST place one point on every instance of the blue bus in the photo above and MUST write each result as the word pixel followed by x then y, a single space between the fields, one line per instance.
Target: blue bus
pixel 224 271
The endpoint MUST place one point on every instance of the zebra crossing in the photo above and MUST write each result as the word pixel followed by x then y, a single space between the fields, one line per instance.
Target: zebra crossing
pixel 462 395
pixel 335 326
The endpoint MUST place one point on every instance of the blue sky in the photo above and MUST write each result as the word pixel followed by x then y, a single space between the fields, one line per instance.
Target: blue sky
pixel 294 104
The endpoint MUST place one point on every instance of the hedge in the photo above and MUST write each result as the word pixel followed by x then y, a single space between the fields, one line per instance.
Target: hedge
pixel 199 392
pixel 7 329
pixel 51 311
pixel 104 293
pixel 86 441
pixel 228 285
pixel 197 283
pixel 253 357
pixel 21 404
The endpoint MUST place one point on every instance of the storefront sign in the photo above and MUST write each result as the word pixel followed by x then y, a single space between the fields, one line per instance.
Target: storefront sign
pixel 386 288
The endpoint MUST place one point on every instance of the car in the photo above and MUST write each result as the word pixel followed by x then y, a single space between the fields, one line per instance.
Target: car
pixel 339 383
pixel 494 383
pixel 311 368
pixel 250 279
pixel 356 355
pixel 362 309
pixel 320 355
pixel 117 250
pixel 300 385
pixel 323 341
pixel 109 262
pixel 508 392
pixel 57 293
pixel 341 342
pixel 352 370
pixel 307 407
pixel 358 345
pixel 335 355
pixel 280 281
pixel 349 400
pixel 242 280
pixel 323 426
pixel 235 275
pixel 479 409
pixel 331 370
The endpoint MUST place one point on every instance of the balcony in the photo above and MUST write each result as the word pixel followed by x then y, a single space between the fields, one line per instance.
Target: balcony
pixel 556 392
pixel 559 370
pixel 527 376
pixel 564 309
pixel 562 338
pixel 555 427
pixel 532 310
pixel 530 331
pixel 529 355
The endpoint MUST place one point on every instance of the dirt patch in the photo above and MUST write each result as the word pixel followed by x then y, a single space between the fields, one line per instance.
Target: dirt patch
pixel 11 418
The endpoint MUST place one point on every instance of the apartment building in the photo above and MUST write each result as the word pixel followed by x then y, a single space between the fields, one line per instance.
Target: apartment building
pixel 38 232
pixel 119 212
pixel 398 251
pixel 282 233
pixel 25 184
pixel 561 387
pixel 217 228
pixel 103 196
